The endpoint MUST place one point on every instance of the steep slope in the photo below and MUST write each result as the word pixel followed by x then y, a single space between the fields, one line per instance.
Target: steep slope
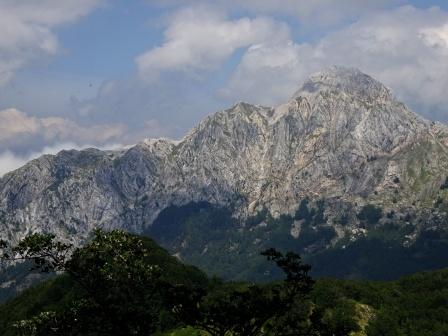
pixel 342 142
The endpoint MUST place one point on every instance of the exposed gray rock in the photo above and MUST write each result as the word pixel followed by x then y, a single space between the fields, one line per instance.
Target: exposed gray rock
pixel 343 136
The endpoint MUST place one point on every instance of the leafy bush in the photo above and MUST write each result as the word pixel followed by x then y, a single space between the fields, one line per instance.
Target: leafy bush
pixel 370 214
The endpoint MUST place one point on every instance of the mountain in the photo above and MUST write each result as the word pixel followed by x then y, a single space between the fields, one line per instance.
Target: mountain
pixel 342 160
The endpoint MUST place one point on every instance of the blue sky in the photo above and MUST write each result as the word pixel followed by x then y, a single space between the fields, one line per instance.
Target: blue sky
pixel 111 72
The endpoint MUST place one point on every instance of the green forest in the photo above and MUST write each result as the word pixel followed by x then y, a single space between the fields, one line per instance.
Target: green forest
pixel 210 238
pixel 122 284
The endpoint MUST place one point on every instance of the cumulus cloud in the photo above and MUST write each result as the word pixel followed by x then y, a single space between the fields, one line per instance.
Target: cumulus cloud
pixel 201 38
pixel 26 29
pixel 20 131
pixel 405 48
pixel 268 73
pixel 10 162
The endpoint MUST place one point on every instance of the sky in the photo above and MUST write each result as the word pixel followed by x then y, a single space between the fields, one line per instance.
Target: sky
pixel 109 73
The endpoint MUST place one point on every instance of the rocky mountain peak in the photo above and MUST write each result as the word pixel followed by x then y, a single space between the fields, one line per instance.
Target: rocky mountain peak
pixel 351 81
pixel 337 99
pixel 342 135
pixel 344 104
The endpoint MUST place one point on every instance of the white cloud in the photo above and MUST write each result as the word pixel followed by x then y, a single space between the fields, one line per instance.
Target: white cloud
pixel 19 129
pixel 267 74
pixel 436 37
pixel 26 29
pixel 405 48
pixel 10 161
pixel 201 38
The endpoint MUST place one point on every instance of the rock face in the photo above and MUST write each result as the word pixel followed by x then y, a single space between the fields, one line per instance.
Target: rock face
pixel 343 136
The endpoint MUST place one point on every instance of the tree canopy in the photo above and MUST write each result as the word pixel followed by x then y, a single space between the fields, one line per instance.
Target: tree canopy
pixel 122 293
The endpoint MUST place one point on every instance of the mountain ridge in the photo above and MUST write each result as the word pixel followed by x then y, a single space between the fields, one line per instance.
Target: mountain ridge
pixel 342 138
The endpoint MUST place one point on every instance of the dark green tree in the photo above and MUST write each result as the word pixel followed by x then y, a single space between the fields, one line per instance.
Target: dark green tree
pixel 370 214
pixel 121 291
pixel 46 254
pixel 239 309
pixel 230 309
pixel 294 314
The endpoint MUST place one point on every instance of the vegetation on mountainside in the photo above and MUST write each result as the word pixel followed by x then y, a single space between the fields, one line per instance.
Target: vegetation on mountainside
pixel 120 284
pixel 210 238
pixel 370 214
pixel 415 305
pixel 113 285
pixel 115 289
